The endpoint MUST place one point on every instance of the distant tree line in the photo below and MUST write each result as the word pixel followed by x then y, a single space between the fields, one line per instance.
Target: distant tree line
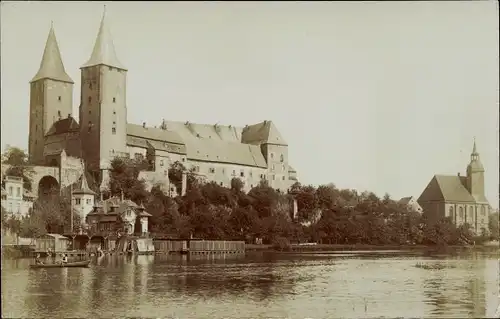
pixel 325 214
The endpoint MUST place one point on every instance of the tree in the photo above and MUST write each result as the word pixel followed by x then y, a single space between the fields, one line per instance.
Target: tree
pixel 17 159
pixel 493 226
pixel 124 180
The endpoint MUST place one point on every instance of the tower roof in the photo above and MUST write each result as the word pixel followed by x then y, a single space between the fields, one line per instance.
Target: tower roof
pixel 84 187
pixel 51 66
pixel 475 164
pixel 104 49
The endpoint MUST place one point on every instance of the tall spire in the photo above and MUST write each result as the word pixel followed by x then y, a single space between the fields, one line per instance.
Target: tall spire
pixel 474 149
pixel 51 66
pixel 104 49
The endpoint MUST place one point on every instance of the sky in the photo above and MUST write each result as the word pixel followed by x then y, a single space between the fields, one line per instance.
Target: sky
pixel 376 96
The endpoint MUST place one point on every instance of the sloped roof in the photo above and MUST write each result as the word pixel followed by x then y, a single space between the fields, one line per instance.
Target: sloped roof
pixel 446 188
pixel 262 133
pixel 291 169
pixel 104 52
pixel 405 200
pixel 153 133
pixel 57 236
pixel 84 188
pixel 66 125
pixel 51 66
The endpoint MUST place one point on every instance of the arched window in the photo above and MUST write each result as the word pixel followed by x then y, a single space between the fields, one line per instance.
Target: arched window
pixel 451 212
pixel 461 212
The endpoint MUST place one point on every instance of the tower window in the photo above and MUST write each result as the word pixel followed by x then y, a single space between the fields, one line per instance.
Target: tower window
pixel 114 100
pixel 90 99
pixel 59 113
pixel 283 178
pixel 113 130
pixel 59 98
pixel 90 112
pixel 90 85
pixel 114 122
pixel 114 112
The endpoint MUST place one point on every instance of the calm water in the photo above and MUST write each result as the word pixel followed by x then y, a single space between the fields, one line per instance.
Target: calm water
pixel 257 286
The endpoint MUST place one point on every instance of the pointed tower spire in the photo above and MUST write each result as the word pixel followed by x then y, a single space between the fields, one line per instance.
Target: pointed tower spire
pixel 52 66
pixel 84 187
pixel 474 149
pixel 104 49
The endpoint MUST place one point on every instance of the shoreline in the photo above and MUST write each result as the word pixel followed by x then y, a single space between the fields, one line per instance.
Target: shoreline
pixel 363 247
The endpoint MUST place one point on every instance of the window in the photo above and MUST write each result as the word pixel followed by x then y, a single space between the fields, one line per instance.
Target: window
pixel 250 173
pixel 273 167
pixel 10 191
pixel 461 212
pixel 90 99
pixel 221 184
pixel 274 177
pixel 197 168
pixel 138 156
pixel 242 174
pixel 113 130
pixel 114 112
pixel 212 170
pixel 18 191
pixel 90 126
pixel 89 201
pixel 59 98
pixel 161 162
pixel 183 159
pixel 59 113
pixel 283 178
pixel 234 172
pixel 114 100
pixel 451 212
pixel 77 201
pixel 90 112
pixel 90 85
pixel 483 211
pixel 282 158
pixel 272 155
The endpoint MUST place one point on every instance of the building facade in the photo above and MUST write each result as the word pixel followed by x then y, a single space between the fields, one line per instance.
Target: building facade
pixel 462 198
pixel 15 199
pixel 215 152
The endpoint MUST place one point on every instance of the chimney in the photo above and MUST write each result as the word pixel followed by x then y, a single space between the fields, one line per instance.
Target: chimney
pixel 144 124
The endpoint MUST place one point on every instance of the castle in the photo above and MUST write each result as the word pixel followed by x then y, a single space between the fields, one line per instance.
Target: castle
pixel 215 152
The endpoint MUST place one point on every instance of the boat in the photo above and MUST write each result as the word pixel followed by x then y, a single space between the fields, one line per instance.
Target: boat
pixel 84 263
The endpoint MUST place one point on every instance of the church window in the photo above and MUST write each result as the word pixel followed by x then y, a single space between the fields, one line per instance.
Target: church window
pixel 282 158
pixel 114 100
pixel 59 98
pixel 113 130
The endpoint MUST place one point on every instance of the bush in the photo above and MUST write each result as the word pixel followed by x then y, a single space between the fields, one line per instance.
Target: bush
pixel 281 244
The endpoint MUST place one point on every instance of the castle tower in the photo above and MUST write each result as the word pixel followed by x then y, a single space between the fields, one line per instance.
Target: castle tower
pixel 84 199
pixel 475 174
pixel 51 97
pixel 103 106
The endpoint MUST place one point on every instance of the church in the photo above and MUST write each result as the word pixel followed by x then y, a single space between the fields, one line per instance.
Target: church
pixel 214 152
pixel 461 198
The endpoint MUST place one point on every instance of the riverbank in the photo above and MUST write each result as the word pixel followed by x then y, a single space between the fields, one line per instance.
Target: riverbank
pixel 358 247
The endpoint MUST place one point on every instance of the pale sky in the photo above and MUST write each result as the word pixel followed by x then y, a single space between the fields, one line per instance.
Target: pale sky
pixel 375 96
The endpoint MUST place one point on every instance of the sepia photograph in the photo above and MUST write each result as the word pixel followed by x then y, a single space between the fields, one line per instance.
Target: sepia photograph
pixel 250 159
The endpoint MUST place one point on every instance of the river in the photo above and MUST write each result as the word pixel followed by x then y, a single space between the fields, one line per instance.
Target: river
pixel 259 285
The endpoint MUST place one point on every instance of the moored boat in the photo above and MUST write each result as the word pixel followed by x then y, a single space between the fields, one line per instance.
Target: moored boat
pixel 84 263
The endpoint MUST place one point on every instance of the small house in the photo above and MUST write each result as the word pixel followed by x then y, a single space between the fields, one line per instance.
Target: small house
pixel 54 242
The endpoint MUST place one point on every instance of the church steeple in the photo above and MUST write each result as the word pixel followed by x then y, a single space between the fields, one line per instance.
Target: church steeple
pixel 104 49
pixel 475 163
pixel 51 66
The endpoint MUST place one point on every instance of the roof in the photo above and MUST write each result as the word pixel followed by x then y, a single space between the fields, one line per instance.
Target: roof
pixel 83 187
pixel 153 133
pixel 405 200
pixel 104 49
pixel 56 143
pixel 262 133
pixel 291 169
pixel 51 66
pixel 66 125
pixel 57 236
pixel 448 188
pixel 215 143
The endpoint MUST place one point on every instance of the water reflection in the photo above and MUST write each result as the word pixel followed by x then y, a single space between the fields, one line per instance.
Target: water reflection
pixel 257 286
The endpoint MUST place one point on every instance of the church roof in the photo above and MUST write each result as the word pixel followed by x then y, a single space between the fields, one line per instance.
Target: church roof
pixel 51 66
pixel 262 133
pixel 104 49
pixel 66 125
pixel 449 188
